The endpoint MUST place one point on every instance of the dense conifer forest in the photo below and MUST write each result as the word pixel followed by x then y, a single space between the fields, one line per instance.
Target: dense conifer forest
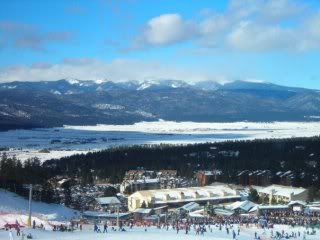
pixel 230 157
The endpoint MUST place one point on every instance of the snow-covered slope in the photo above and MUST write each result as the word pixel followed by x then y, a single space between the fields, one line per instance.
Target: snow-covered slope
pixel 13 206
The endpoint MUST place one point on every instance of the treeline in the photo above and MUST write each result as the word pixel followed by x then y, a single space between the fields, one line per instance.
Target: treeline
pixel 297 154
pixel 16 177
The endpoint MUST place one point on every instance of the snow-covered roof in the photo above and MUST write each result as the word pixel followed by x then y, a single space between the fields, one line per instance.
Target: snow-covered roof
pixel 159 208
pixel 63 181
pixel 108 201
pixel 190 206
pixel 314 209
pixel 268 207
pixel 143 210
pixel 143 181
pixel 103 214
pixel 192 194
pixel 244 205
pixel 297 202
pixel 223 212
pixel 279 190
pixel 197 214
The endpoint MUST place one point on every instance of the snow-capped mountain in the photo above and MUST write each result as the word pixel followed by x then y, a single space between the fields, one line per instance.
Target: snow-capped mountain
pixel 83 102
pixel 161 84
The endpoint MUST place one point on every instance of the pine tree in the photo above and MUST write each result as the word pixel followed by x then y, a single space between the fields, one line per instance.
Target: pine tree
pixel 47 193
pixel 143 205
pixel 67 194
pixel 253 195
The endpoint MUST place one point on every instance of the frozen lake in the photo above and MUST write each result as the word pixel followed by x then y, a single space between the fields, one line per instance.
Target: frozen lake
pixel 50 143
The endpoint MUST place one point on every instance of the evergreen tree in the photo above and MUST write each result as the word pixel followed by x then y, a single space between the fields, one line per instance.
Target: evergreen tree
pixel 143 205
pixel 67 194
pixel 47 193
pixel 253 195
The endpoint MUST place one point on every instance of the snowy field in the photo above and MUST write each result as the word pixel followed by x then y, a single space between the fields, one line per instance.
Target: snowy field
pixel 14 207
pixel 59 142
pixel 156 234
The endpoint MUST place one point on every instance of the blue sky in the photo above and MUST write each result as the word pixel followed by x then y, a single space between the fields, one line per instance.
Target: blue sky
pixel 258 40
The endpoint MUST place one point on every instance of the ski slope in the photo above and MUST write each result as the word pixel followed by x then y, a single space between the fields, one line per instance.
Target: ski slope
pixel 14 207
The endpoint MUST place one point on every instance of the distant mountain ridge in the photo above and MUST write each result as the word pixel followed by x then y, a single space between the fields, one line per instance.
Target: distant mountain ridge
pixel 71 83
pixel 84 102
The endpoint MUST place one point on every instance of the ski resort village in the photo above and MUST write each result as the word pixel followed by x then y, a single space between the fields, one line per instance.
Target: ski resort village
pixel 148 203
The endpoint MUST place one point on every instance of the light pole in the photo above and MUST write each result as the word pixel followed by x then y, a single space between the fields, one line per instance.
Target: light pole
pixel 30 205
pixel 118 216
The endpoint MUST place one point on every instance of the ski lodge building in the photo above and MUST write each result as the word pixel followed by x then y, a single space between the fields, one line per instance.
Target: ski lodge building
pixel 283 194
pixel 177 197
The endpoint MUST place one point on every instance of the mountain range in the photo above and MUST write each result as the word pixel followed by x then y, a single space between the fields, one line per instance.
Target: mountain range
pixel 88 102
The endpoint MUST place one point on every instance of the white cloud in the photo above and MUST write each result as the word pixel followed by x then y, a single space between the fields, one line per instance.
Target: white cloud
pixel 93 69
pixel 250 36
pixel 246 25
pixel 264 10
pixel 166 29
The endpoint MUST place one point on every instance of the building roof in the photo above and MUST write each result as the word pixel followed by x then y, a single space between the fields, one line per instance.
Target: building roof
pixel 191 194
pixel 314 209
pixel 167 171
pixel 159 208
pixel 103 214
pixel 143 210
pixel 279 190
pixel 190 206
pixel 303 203
pixel 143 181
pixel 135 172
pixel 223 212
pixel 197 214
pixel 268 207
pixel 108 201
pixel 244 205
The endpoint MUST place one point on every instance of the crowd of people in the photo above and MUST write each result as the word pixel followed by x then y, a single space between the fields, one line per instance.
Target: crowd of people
pixel 232 225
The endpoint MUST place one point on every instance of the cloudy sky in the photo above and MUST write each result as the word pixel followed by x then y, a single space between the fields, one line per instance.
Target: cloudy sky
pixel 259 40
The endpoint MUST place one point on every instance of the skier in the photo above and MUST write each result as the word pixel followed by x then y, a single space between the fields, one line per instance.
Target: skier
pixel 95 228
pixel 18 230
pixel 105 228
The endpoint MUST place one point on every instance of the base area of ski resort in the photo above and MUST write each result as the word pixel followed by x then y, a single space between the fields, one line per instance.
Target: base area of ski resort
pixel 217 211
pixel 139 233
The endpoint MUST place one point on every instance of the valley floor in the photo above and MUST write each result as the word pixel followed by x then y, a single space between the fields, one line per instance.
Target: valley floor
pixel 49 143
